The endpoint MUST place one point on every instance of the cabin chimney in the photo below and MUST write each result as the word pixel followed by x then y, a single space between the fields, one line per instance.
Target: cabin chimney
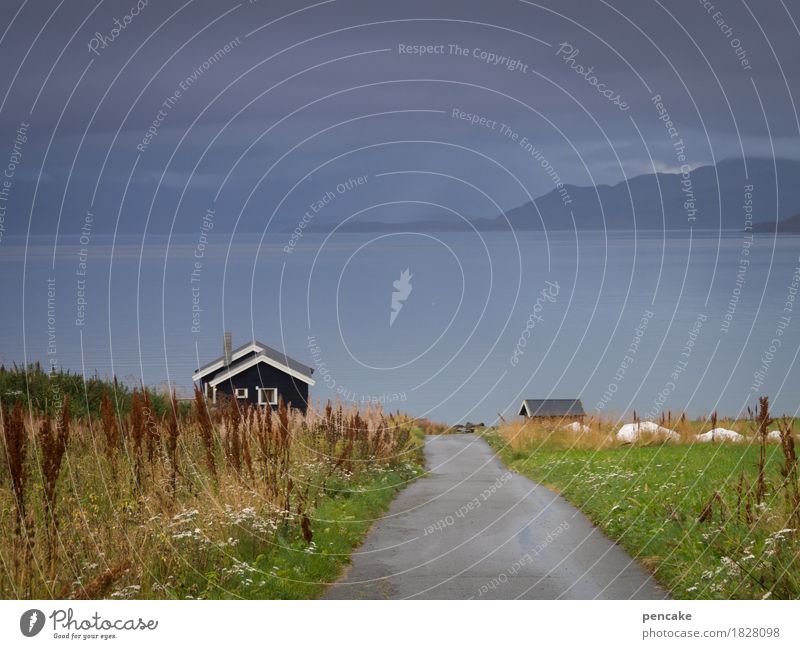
pixel 227 347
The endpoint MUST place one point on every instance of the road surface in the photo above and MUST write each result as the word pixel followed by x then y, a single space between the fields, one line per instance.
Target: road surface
pixel 472 529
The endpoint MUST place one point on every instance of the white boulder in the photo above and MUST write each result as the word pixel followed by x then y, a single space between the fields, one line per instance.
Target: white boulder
pixel 720 435
pixel 577 427
pixel 774 436
pixel 632 432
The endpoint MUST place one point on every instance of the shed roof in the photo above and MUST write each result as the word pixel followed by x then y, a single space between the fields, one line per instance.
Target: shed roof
pixel 551 408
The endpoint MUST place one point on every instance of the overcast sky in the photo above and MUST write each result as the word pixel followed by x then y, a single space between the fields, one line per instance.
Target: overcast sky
pixel 146 114
pixel 311 94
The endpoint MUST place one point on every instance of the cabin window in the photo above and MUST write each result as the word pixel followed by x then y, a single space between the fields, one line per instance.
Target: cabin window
pixel 267 396
pixel 240 393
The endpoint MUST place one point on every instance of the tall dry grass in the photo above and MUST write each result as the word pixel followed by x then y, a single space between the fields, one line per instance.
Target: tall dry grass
pixel 527 434
pixel 531 433
pixel 140 505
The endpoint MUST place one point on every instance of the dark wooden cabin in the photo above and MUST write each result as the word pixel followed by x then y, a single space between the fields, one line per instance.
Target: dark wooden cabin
pixel 257 374
pixel 552 409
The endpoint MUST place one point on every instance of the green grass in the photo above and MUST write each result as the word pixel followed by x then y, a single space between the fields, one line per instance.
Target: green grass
pixel 650 500
pixel 285 566
pixel 43 391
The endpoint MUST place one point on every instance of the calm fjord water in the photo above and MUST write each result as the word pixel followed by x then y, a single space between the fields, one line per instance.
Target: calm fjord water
pixel 677 321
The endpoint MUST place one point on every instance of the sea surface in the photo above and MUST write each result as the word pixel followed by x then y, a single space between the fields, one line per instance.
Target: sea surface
pixel 651 321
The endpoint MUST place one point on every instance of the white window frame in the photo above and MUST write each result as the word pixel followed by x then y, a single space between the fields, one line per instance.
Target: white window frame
pixel 240 393
pixel 267 402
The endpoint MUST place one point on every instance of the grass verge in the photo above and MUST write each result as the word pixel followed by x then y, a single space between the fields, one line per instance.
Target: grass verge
pixel 290 568
pixel 685 511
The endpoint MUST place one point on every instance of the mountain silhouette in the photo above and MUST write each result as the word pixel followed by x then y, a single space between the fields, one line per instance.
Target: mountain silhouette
pixel 638 203
pixel 712 197
pixel 792 224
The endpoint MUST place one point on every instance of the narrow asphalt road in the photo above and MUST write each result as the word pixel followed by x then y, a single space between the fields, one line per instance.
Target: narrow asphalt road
pixel 471 529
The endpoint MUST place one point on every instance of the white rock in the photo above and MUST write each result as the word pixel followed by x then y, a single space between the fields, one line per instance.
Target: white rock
pixel 720 435
pixel 577 427
pixel 632 432
pixel 774 436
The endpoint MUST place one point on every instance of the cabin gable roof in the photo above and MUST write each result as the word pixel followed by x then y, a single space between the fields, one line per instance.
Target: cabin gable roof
pixel 551 408
pixel 248 355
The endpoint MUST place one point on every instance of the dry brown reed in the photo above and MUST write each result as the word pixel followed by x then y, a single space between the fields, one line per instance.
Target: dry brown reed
pixel 53 447
pixel 217 460
pixel 15 442
pixel 789 471
pixel 16 447
pixel 152 431
pixel 108 420
pixel 206 430
pixel 173 427
pixel 100 586
pixel 763 422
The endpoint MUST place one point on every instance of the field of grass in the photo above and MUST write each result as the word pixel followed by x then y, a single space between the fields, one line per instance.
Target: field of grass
pixel 286 567
pixel 194 502
pixel 691 513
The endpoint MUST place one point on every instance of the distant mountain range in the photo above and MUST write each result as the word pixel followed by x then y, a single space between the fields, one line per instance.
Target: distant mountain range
pixel 792 224
pixel 648 202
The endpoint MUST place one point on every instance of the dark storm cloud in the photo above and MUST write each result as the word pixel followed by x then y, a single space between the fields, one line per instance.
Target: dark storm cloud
pixel 714 68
